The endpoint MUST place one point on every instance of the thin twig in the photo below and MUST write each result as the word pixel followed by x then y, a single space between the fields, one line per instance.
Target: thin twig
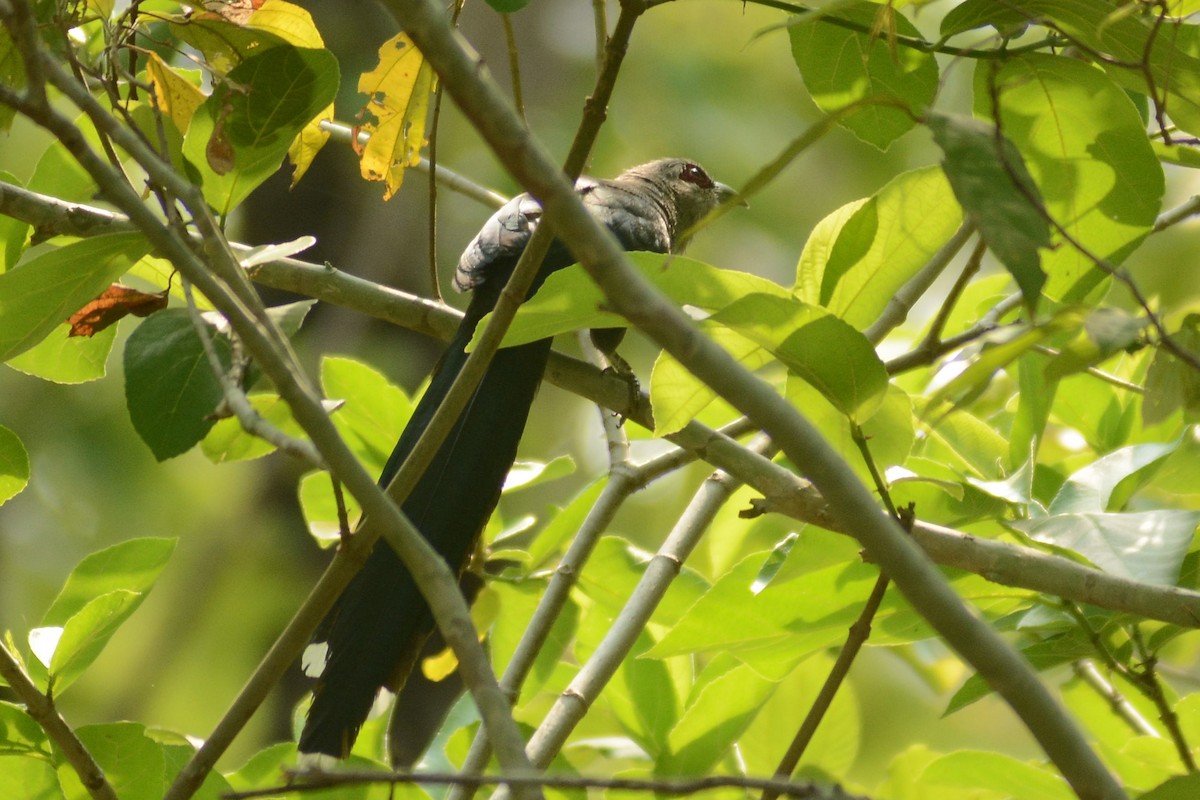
pixel 624 631
pixel 514 65
pixel 312 781
pixel 236 400
pixel 896 311
pixel 1085 668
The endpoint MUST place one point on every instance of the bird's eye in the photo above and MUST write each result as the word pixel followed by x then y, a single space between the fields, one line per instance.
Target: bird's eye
pixel 693 174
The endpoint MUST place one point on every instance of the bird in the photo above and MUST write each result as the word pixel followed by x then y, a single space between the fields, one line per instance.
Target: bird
pixel 373 634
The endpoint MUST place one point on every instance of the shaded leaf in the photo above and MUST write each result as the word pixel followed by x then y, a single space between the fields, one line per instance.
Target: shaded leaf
pixel 991 182
pixel 1171 383
pixel 133 763
pixel 170 388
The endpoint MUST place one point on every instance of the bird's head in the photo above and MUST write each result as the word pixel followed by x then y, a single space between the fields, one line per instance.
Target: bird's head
pixel 687 188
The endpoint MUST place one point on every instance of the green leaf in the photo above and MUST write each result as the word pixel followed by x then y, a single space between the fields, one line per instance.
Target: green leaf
pixel 1127 39
pixel 374 412
pixel 507 6
pixel 1181 787
pixel 570 300
pixel 855 268
pixel 67 359
pixel 133 763
pixel 1042 655
pixel 227 440
pixel 132 566
pixel 970 771
pixel 842 66
pixel 319 505
pixel 240 135
pixel 37 296
pixel 169 386
pixel 889 430
pixel 1007 20
pixel 528 474
pixel 972 380
pixel 717 715
pixel 1146 546
pixel 20 735
pixel 517 603
pixel 24 776
pixel 814 345
pixel 1171 383
pixel 12 74
pixel 1087 151
pixel 643 698
pixel 13 232
pixel 14 465
pixel 835 745
pixel 991 182
pixel 1091 488
pixel 677 396
pixel 562 526
pixel 86 633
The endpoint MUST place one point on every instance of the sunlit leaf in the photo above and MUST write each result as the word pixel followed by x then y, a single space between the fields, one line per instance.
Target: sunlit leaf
pixel 1146 546
pixel 38 295
pixel 570 300
pixel 969 771
pixel 133 763
pixel 87 632
pixel 842 66
pixel 1086 148
pixel 398 91
pixel 132 565
pixel 1092 487
pixel 14 465
pixel 870 253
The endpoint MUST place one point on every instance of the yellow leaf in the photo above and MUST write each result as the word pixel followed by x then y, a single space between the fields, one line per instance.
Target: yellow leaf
pixel 307 144
pixel 289 22
pixel 176 96
pixel 398 92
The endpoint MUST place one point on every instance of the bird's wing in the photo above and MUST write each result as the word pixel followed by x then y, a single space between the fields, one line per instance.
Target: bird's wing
pixel 502 238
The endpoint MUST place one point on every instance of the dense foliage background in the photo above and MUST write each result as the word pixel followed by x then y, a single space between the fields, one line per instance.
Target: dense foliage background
pixel 1062 424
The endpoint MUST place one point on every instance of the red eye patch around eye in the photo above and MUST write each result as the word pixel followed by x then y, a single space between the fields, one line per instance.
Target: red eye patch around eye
pixel 693 174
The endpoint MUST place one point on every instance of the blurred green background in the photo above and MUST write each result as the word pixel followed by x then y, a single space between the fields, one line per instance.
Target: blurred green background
pixel 699 82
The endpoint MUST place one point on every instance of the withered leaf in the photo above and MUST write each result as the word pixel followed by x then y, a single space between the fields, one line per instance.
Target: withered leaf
pixel 114 303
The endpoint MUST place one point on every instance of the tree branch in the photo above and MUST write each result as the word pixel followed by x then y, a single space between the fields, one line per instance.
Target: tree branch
pixel 1000 562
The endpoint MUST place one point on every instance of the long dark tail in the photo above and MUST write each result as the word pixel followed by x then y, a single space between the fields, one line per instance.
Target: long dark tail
pixel 375 631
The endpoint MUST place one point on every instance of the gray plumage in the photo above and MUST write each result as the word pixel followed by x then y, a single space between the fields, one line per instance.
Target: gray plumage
pixel 375 631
